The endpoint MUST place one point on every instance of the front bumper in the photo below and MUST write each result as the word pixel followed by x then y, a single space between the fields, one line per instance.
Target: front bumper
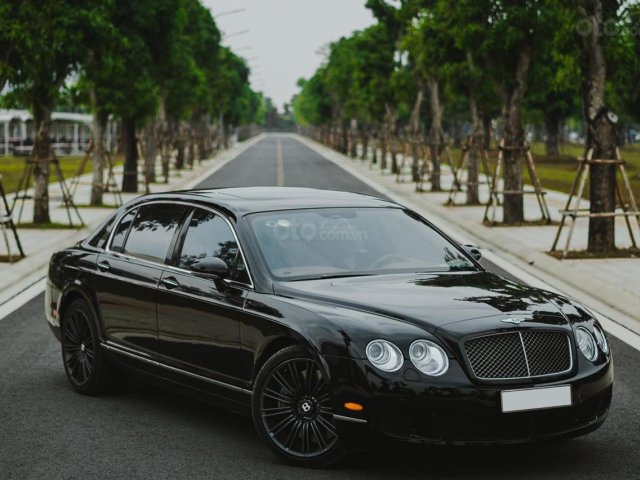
pixel 458 411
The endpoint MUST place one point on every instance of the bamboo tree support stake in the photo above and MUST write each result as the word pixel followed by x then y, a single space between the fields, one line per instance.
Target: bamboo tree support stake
pixel 22 193
pixel 627 210
pixel 426 162
pixel 110 186
pixel 495 191
pixel 6 222
pixel 459 185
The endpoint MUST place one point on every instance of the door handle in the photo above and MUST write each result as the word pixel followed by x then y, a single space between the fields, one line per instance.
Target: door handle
pixel 104 266
pixel 170 283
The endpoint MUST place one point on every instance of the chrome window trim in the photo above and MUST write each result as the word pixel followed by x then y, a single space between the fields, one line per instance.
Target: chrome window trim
pixel 524 351
pixel 171 267
pixel 128 352
pixel 348 419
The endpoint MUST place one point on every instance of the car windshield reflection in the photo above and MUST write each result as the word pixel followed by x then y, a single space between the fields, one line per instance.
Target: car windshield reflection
pixel 350 242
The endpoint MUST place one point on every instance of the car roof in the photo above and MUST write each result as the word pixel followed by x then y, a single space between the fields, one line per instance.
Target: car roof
pixel 244 200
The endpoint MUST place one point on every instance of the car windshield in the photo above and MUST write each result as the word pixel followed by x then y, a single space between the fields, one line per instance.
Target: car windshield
pixel 344 242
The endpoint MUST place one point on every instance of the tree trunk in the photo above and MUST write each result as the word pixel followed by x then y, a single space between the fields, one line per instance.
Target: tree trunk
pixel 191 150
pixel 374 147
pixel 41 156
pixel 392 121
pixel 149 151
pixel 476 144
pixel 180 146
pixel 514 141
pixel 130 177
pixel 98 155
pixel 435 133
pixel 202 137
pixel 353 138
pixel 601 132
pixel 476 147
pixel 486 129
pixel 165 137
pixel 414 132
pixel 344 136
pixel 364 132
pixel 552 125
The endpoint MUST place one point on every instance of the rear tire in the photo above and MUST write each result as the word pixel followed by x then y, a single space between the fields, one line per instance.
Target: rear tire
pixel 84 361
pixel 292 411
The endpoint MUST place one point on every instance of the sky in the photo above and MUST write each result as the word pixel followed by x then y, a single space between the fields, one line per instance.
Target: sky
pixel 285 37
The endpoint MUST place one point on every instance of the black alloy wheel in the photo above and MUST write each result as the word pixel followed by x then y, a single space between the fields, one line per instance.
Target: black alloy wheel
pixel 292 410
pixel 84 363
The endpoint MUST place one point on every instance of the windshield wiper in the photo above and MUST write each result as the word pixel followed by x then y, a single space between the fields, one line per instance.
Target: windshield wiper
pixel 345 275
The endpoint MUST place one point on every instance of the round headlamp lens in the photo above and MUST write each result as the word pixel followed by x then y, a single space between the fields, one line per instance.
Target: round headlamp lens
pixel 384 355
pixel 586 343
pixel 428 357
pixel 601 339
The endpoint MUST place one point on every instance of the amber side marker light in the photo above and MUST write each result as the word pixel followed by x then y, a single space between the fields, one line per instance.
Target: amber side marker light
pixel 355 407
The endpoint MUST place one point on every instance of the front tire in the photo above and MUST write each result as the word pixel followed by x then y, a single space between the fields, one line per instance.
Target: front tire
pixel 292 410
pixel 87 370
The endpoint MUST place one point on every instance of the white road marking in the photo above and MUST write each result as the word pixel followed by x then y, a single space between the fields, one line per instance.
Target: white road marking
pixel 18 300
pixel 279 164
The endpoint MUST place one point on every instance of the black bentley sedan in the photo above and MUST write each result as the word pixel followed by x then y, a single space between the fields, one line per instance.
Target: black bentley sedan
pixel 329 317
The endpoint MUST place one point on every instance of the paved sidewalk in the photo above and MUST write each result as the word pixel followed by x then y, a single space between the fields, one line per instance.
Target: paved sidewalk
pixel 40 244
pixel 611 286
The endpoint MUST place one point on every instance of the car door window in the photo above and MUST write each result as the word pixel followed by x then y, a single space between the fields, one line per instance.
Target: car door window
pixel 209 235
pixel 153 230
pixel 123 229
pixel 100 238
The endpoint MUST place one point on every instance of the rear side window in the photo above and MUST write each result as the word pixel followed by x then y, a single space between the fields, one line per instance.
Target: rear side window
pixel 123 229
pixel 153 230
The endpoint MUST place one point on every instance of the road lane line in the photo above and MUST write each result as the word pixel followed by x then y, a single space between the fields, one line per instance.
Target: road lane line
pixel 22 297
pixel 279 164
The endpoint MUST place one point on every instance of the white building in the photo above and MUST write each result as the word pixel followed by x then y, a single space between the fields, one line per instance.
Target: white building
pixel 70 132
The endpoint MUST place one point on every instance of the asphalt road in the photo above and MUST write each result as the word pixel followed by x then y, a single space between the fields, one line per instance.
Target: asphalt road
pixel 48 431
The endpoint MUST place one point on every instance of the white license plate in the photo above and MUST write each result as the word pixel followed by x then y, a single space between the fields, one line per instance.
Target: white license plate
pixel 536 398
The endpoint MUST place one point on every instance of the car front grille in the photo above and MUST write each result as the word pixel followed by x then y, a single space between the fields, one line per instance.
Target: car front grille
pixel 521 354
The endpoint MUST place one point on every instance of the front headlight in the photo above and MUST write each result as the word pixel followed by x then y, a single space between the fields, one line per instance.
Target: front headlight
pixel 384 355
pixel 586 343
pixel 428 357
pixel 601 339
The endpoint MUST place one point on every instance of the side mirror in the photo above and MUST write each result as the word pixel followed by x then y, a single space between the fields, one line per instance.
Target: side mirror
pixel 211 266
pixel 474 251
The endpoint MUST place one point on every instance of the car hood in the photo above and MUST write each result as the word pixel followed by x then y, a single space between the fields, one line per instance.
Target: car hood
pixel 429 301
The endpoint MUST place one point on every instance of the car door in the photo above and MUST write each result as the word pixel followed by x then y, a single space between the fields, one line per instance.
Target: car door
pixel 198 322
pixel 128 274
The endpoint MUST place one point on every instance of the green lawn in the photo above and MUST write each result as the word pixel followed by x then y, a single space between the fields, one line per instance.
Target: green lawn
pixel 11 170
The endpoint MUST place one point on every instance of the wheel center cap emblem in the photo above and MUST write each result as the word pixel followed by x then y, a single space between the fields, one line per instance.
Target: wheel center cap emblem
pixel 82 347
pixel 306 407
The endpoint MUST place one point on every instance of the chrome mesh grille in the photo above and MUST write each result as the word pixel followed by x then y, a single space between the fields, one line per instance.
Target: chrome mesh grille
pixel 532 353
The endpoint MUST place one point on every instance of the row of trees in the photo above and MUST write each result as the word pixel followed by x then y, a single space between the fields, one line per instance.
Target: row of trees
pixel 157 66
pixel 523 61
